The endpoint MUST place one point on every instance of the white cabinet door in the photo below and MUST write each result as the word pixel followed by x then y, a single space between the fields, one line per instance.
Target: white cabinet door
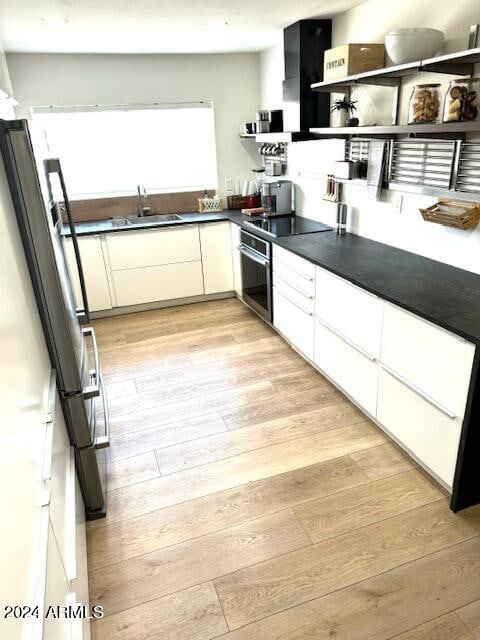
pixel 80 584
pixel 154 284
pixel 353 371
pixel 432 359
pixel 349 310
pixel 427 432
pixel 57 593
pixel 236 259
pixel 152 247
pixel 295 323
pixel 94 271
pixel 61 484
pixel 216 248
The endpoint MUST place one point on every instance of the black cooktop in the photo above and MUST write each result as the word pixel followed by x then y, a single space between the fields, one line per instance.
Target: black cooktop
pixel 286 225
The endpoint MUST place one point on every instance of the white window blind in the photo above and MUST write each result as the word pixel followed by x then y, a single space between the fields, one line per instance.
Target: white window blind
pixel 110 150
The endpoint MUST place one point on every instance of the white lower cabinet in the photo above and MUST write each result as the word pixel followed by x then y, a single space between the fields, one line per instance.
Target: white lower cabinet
pixel 432 359
pixel 57 593
pixel 94 271
pixel 354 313
pixel 294 322
pixel 353 371
pixel 154 284
pixel 428 432
pixel 236 258
pixel 215 243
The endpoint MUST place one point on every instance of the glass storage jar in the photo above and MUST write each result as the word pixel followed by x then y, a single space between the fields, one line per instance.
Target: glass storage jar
pixel 424 105
pixel 462 100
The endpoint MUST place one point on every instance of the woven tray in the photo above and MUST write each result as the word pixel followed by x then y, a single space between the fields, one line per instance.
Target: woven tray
pixel 453 213
pixel 207 205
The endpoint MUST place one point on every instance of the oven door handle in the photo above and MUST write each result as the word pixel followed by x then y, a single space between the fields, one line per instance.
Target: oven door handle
pixel 253 255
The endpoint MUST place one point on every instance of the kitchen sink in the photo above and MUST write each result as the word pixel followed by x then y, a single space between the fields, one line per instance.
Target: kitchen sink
pixel 145 220
pixel 162 217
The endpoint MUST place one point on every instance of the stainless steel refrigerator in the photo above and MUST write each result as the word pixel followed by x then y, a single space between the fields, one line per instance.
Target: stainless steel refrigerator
pixel 80 385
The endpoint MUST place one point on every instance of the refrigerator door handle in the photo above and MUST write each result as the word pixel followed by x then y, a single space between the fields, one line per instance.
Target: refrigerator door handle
pixel 52 165
pixel 101 442
pixel 92 390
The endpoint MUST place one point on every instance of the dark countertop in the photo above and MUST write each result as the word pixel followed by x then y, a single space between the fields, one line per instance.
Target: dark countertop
pixel 444 295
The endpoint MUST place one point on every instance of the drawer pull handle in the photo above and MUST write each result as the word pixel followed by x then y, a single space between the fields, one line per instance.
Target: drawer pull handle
pixel 280 293
pixel 299 273
pixel 290 284
pixel 418 391
pixel 347 340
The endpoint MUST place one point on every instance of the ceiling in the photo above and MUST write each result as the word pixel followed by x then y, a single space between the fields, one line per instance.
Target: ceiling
pixel 153 26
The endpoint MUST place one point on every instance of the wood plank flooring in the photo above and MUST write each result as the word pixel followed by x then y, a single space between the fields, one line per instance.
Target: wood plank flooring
pixel 249 500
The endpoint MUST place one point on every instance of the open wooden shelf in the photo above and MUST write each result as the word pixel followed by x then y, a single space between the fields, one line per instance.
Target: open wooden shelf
pixel 459 63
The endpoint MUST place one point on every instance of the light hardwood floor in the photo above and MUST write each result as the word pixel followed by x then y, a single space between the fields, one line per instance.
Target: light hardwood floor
pixel 249 500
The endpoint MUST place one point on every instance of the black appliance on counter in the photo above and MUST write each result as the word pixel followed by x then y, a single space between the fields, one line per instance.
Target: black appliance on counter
pixel 81 387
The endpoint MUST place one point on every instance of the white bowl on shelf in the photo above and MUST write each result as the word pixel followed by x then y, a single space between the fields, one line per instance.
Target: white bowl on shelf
pixel 410 45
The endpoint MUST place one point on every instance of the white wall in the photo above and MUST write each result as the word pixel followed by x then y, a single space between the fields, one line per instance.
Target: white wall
pixel 272 74
pixel 230 81
pixel 369 22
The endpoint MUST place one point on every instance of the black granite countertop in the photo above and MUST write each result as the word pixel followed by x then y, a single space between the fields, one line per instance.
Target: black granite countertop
pixel 444 295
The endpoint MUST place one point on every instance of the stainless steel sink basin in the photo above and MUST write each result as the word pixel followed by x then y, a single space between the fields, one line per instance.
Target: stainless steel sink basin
pixel 163 217
pixel 145 220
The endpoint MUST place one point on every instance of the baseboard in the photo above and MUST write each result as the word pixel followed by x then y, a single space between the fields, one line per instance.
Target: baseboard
pixel 150 306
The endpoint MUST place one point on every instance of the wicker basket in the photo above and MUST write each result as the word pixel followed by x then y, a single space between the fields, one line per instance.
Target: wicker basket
pixel 236 202
pixel 453 213
pixel 209 205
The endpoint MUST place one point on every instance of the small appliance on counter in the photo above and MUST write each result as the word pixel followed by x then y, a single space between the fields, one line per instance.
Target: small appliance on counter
pixel 278 198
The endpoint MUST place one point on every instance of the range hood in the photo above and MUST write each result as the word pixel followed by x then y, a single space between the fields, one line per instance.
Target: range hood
pixel 305 43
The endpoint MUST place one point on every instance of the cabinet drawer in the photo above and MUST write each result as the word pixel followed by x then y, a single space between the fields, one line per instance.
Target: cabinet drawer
pixel 432 359
pixel 293 322
pixel 353 371
pixel 284 258
pixel 303 300
pixel 131 249
pixel 429 433
pixel 355 313
pixel 153 284
pixel 295 279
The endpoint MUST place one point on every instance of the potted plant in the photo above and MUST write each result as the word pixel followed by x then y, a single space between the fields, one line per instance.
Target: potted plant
pixel 344 109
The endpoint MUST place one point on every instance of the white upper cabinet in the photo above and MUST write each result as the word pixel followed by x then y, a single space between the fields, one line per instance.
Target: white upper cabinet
pixel 436 362
pixel 351 311
pixel 216 246
pixel 153 247
pixel 94 271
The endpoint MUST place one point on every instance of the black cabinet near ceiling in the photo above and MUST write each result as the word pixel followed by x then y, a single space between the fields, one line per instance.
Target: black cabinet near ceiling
pixel 305 43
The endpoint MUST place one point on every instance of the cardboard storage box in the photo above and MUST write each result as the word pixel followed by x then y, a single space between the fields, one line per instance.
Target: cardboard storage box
pixel 349 59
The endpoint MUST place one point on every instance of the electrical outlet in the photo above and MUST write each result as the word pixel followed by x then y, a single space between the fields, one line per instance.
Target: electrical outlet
pixel 398 204
pixel 228 185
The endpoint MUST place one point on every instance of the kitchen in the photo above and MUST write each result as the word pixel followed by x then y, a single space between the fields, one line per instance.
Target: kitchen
pixel 221 422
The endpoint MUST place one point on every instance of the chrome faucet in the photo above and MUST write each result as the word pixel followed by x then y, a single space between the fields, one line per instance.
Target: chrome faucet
pixel 144 209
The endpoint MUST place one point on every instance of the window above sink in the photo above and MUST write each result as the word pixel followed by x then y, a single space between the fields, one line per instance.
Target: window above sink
pixel 109 150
